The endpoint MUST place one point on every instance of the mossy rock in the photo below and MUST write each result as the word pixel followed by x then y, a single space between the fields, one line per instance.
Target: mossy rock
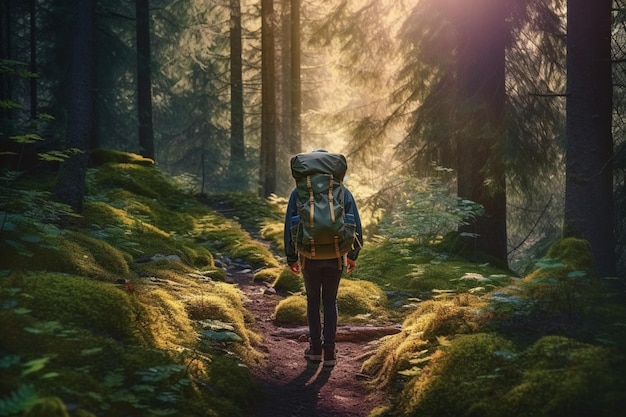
pixel 576 253
pixel 449 320
pixel 95 306
pixel 255 254
pixel 291 311
pixel 71 253
pixel 288 282
pixel 137 179
pixel 223 303
pixel 268 274
pixel 456 381
pixel 561 375
pixel 356 297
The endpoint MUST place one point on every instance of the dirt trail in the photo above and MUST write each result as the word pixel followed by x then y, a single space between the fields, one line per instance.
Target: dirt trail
pixel 294 388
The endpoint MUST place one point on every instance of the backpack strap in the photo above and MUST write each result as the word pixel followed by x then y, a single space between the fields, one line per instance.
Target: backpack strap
pixel 330 203
pixel 338 253
pixel 309 187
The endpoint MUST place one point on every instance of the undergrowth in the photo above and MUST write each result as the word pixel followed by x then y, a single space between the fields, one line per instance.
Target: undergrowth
pixel 120 310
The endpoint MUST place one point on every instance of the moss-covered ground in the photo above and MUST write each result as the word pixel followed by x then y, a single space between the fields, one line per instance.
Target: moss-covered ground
pixel 123 311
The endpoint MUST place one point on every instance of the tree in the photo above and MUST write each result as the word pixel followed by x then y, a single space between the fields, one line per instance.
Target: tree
pixel 237 144
pixel 481 40
pixel 295 144
pixel 619 132
pixel 33 59
pixel 6 45
pixel 144 78
pixel 268 106
pixel 589 210
pixel 70 186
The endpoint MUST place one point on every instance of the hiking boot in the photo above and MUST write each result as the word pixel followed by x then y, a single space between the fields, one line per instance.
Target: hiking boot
pixel 314 352
pixel 330 355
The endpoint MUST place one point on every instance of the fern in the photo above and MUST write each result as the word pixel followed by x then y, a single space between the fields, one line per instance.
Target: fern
pixel 9 360
pixel 35 365
pixel 18 401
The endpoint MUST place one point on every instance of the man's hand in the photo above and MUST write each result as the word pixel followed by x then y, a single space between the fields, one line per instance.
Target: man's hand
pixel 295 267
pixel 350 265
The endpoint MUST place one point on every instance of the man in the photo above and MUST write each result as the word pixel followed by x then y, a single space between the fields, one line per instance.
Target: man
pixel 321 280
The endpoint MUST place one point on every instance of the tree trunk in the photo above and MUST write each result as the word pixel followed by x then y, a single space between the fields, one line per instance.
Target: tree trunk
pixel 589 209
pixel 481 133
pixel 144 79
pixel 6 87
pixel 237 144
pixel 296 86
pixel 268 106
pixel 70 186
pixel 33 59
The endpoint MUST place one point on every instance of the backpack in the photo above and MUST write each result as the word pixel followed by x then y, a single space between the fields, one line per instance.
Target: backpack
pixel 322 229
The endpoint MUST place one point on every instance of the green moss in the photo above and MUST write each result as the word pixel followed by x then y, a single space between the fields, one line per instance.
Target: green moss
pixel 140 180
pixel 396 354
pixel 291 311
pixel 105 156
pixel 423 330
pixel 198 256
pixel 406 268
pixel 166 320
pixel 268 274
pixel 273 232
pixel 563 377
pixel 251 211
pixel 288 282
pixel 95 306
pixel 71 253
pixel 151 210
pixel 356 297
pixel 386 266
pixel 47 407
pixel 450 320
pixel 256 255
pixel 556 295
pixel 220 235
pixel 234 386
pixel 93 257
pixel 455 383
pixel 576 253
pixel 224 303
pixel 111 351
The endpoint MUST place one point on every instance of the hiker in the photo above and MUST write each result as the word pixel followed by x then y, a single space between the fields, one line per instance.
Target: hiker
pixel 321 264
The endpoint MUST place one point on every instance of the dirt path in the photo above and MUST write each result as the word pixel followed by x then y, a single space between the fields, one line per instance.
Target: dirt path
pixel 294 388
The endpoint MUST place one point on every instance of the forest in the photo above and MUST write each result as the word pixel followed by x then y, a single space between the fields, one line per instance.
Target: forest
pixel 145 149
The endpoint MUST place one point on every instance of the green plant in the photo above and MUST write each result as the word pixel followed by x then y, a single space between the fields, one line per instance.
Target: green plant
pixel 19 400
pixel 428 214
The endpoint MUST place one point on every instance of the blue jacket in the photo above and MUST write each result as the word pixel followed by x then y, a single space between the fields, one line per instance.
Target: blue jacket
pixel 292 210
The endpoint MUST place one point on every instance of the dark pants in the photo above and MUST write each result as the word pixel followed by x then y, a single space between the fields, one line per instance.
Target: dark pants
pixel 321 280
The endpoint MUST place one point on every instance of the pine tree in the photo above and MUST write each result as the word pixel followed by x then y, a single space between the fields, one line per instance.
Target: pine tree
pixel 589 143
